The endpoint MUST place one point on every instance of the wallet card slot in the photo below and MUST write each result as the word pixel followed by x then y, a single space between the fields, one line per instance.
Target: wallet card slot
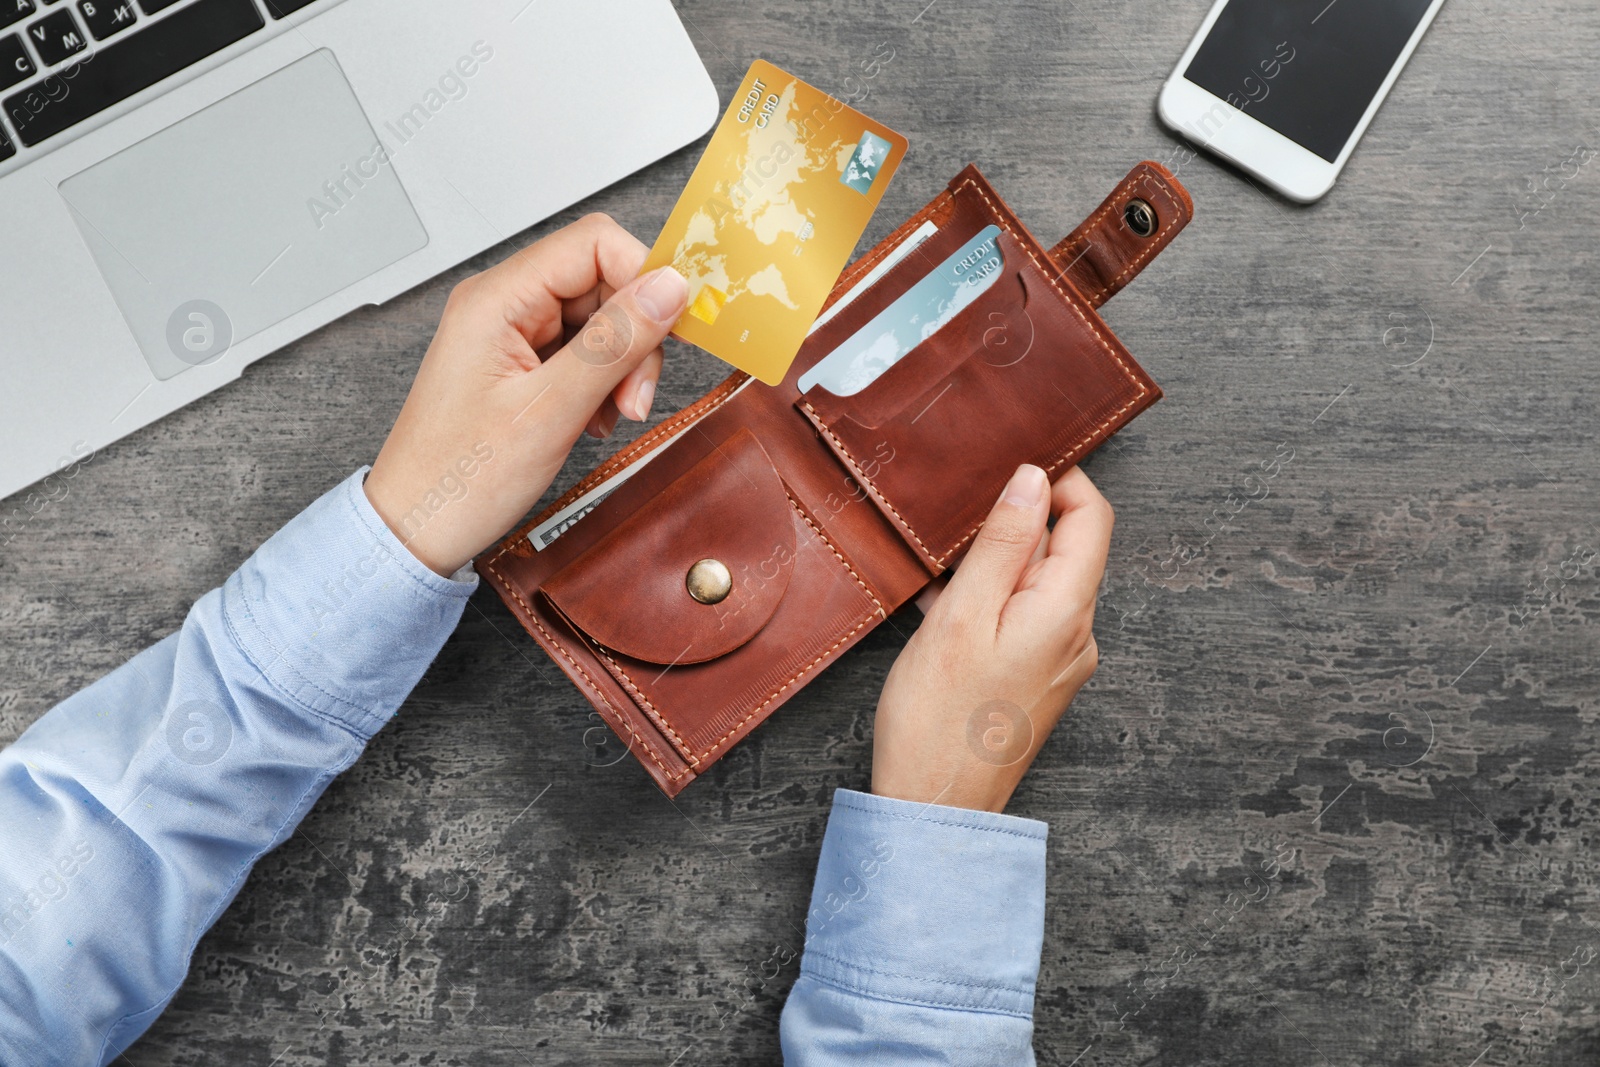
pixel 1045 383
pixel 981 330
pixel 955 222
pixel 626 460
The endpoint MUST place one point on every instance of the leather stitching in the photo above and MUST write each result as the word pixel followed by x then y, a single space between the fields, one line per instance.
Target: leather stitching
pixel 683 746
pixel 655 713
pixel 700 408
pixel 1156 244
pixel 836 553
pixel 626 725
pixel 1093 224
pixel 567 655
pixel 656 759
pixel 1055 282
pixel 774 695
pixel 704 406
pixel 713 400
pixel 708 403
pixel 865 480
pixel 1160 192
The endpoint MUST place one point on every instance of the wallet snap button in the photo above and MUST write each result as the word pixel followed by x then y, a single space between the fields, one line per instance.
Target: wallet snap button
pixel 1141 217
pixel 709 581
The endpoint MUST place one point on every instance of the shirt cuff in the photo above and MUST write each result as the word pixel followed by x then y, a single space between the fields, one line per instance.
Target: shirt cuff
pixel 338 615
pixel 928 905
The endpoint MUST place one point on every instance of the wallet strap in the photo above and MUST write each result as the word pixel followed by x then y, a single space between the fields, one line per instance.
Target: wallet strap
pixel 1105 252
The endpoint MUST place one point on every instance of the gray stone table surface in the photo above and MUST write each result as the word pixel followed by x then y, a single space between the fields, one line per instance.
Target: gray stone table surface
pixel 1374 662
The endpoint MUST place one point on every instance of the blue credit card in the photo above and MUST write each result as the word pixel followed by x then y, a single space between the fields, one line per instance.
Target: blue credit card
pixel 917 315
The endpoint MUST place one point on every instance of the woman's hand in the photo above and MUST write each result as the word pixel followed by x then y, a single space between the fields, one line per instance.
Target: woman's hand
pixel 559 338
pixel 1003 650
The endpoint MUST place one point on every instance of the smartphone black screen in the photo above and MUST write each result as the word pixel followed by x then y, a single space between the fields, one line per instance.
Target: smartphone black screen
pixel 1307 68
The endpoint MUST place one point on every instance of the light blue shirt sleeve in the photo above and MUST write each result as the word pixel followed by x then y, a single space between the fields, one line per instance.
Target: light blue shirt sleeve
pixel 131 813
pixel 923 939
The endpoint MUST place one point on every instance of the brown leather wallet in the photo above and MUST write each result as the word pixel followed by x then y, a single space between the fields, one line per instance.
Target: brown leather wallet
pixel 764 532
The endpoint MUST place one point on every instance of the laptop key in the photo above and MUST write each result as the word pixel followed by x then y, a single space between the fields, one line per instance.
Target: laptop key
pixel 56 38
pixel 280 9
pixel 105 17
pixel 152 6
pixel 14 11
pixel 7 149
pixel 14 62
pixel 132 62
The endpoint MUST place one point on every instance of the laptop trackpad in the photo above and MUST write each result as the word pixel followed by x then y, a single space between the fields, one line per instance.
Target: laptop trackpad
pixel 243 214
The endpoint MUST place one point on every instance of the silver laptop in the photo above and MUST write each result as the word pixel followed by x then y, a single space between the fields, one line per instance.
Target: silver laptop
pixel 188 185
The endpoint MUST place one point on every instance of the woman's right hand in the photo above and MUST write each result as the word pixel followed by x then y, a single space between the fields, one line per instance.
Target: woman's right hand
pixel 1004 648
pixel 560 337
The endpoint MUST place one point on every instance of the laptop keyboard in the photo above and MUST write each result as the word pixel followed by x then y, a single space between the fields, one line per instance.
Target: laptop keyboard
pixel 64 62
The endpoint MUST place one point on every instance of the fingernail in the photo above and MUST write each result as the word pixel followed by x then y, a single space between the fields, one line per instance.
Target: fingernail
pixel 1026 487
pixel 663 295
pixel 643 397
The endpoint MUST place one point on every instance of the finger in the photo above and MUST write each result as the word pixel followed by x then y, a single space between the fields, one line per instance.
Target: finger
pixel 548 337
pixel 637 391
pixel 626 330
pixel 1069 578
pixel 1082 535
pixel 1040 550
pixel 568 263
pixel 1000 553
pixel 576 312
pixel 930 593
pixel 603 421
pixel 545 351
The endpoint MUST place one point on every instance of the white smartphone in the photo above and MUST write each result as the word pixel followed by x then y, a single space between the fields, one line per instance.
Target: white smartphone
pixel 1285 88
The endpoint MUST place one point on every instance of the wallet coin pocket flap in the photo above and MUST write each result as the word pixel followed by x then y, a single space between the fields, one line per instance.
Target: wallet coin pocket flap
pixel 696 571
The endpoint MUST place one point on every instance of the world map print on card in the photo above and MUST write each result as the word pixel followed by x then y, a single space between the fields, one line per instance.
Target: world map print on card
pixel 770 216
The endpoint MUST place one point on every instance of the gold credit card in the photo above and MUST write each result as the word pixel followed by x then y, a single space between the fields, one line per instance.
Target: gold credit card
pixel 770 217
